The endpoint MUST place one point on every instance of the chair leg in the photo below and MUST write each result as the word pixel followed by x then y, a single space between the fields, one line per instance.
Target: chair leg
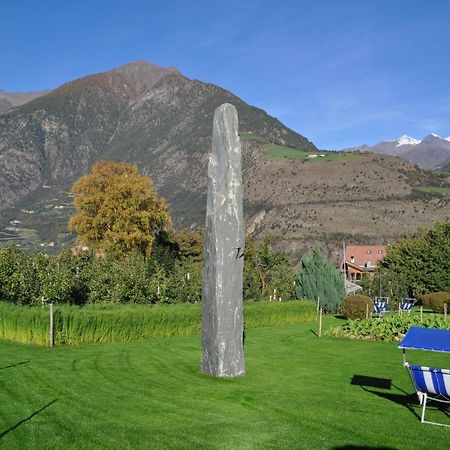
pixel 424 405
pixel 420 395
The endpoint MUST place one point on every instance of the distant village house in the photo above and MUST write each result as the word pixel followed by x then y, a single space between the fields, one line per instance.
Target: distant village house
pixel 360 260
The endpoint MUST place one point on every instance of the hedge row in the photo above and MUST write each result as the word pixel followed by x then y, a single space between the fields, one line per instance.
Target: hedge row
pixel 119 323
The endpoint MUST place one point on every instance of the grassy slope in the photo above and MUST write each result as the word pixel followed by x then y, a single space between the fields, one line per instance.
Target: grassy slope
pixel 275 152
pixel 150 394
pixel 445 192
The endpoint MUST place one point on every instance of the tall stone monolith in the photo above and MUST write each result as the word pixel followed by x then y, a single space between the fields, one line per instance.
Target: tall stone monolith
pixel 222 311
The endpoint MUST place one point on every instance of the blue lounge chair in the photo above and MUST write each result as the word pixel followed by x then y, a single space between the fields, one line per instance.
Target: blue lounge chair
pixel 407 304
pixel 380 305
pixel 430 384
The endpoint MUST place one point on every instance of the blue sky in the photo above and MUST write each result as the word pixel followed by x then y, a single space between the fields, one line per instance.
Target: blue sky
pixel 340 72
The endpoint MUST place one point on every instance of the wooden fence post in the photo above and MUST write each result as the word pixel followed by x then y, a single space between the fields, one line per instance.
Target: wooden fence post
pixel 320 322
pixel 51 338
pixel 367 310
pixel 421 313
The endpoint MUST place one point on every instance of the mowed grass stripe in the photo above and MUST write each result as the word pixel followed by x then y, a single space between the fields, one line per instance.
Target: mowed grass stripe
pixel 151 394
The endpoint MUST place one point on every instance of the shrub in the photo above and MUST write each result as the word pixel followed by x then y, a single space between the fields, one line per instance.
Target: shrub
pixel 424 300
pixel 357 306
pixel 436 301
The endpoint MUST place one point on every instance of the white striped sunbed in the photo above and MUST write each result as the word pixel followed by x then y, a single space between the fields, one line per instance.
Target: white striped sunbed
pixel 430 384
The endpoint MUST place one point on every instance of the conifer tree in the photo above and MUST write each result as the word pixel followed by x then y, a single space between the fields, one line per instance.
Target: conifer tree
pixel 318 278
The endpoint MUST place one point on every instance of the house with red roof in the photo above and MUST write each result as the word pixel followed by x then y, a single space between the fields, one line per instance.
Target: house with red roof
pixel 360 260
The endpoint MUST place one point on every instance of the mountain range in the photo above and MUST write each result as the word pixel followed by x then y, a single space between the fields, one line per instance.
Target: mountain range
pixel 432 152
pixel 162 121
pixel 9 100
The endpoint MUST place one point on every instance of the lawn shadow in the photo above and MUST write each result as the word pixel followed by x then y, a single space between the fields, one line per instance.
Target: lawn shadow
pixel 363 380
pixel 15 365
pixel 404 398
pixel 3 433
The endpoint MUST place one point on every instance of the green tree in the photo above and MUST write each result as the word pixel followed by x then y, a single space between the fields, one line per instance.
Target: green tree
pixel 18 280
pixel 422 260
pixel 318 278
pixel 385 284
pixel 118 210
pixel 267 272
pixel 56 283
pixel 120 280
pixel 186 278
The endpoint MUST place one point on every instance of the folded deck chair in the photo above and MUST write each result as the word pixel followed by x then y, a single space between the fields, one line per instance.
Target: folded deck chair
pixel 430 384
pixel 406 304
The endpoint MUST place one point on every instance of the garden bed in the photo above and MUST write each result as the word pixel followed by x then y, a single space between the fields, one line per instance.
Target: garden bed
pixel 391 327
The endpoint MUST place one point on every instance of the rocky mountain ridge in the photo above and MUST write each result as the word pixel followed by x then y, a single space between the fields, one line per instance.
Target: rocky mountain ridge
pixel 162 121
pixel 9 100
pixel 431 152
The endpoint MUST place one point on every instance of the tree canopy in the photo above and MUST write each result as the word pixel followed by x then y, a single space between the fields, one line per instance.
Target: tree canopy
pixel 422 260
pixel 267 272
pixel 318 277
pixel 118 209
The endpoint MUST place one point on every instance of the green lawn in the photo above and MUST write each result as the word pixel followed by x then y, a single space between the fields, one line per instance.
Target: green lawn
pixel 272 152
pixel 150 394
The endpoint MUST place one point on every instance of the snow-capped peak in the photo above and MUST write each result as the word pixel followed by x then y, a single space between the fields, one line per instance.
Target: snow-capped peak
pixel 436 135
pixel 447 138
pixel 407 140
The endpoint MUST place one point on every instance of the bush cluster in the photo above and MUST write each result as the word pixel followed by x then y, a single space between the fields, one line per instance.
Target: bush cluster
pixel 357 306
pixel 436 301
pixel 171 274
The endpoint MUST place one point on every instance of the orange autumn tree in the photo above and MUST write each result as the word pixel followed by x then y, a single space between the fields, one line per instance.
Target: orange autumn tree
pixel 118 210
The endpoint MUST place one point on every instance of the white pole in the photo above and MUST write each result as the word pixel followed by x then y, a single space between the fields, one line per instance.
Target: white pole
pixel 320 322
pixel 317 308
pixel 51 339
pixel 421 313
